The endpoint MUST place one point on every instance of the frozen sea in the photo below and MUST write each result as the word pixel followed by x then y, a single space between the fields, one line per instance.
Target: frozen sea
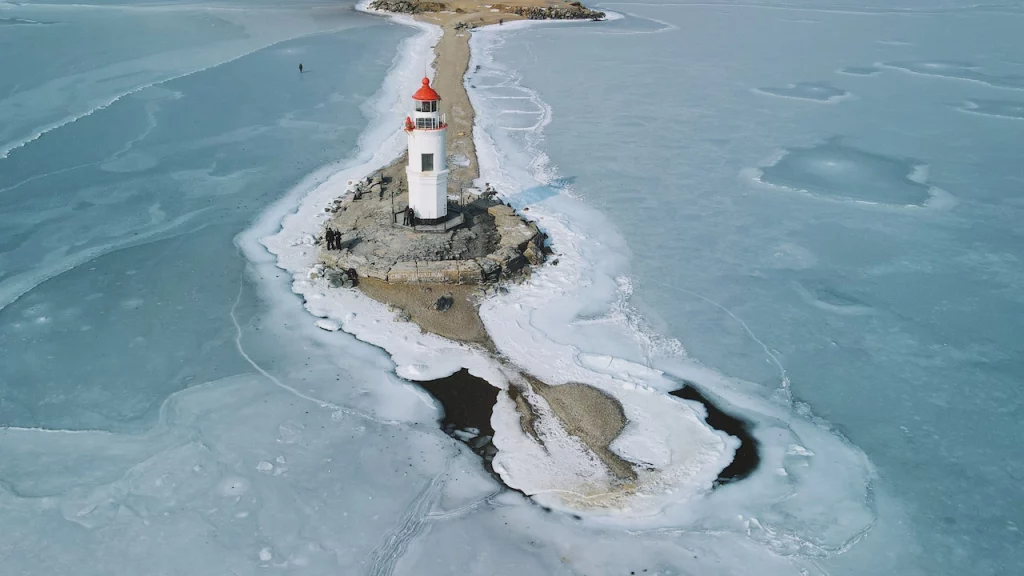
pixel 829 194
pixel 808 209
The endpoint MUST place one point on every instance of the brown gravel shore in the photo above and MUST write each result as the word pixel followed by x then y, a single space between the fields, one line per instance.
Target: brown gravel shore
pixel 461 322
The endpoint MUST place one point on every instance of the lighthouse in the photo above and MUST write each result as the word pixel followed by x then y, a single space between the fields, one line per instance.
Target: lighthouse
pixel 427 172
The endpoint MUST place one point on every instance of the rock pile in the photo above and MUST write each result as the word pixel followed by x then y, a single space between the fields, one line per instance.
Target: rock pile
pixel 336 277
pixel 444 303
pixel 342 278
pixel 574 11
pixel 407 6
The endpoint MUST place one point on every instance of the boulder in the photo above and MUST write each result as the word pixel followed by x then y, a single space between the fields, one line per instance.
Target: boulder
pixel 334 278
pixel 512 229
pixel 490 270
pixel 444 303
pixel 341 278
pixel 510 259
pixel 500 211
pixel 534 254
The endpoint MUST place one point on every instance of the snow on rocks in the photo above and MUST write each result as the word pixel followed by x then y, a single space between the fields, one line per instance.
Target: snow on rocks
pixel 328 325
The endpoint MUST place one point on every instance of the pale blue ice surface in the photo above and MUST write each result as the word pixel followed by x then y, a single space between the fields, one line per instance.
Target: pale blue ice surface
pixel 834 170
pixel 118 268
pixel 158 414
pixel 227 435
pixel 166 405
pixel 871 248
pixel 815 91
pixel 1013 109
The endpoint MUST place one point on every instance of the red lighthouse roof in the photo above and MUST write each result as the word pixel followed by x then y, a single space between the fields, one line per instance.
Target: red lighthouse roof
pixel 426 93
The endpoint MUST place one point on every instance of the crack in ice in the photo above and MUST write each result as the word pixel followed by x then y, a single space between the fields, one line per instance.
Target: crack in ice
pixel 290 389
pixel 387 553
pixel 784 383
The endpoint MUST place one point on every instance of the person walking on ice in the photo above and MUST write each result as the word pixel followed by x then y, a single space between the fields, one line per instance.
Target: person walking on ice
pixel 300 67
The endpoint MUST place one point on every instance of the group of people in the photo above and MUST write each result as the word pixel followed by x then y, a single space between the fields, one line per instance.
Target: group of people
pixel 408 216
pixel 333 239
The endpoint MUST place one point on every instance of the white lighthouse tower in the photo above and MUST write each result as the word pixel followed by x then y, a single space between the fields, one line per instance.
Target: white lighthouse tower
pixel 427 171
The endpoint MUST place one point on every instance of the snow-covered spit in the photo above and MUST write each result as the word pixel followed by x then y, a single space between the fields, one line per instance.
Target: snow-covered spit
pixel 573 323
pixel 679 454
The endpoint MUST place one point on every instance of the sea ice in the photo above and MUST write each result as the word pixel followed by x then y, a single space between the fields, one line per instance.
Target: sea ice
pixel 563 325
pixel 869 312
pixel 831 298
pixel 860 70
pixel 1012 109
pixel 959 71
pixel 816 91
pixel 835 170
pixel 233 486
pixel 376 484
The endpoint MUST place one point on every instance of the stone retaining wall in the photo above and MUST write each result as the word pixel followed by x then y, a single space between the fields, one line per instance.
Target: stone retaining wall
pixel 521 244
pixel 437 272
pixel 504 262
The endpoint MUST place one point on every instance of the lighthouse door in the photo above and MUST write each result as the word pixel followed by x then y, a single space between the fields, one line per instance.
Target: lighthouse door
pixel 428 163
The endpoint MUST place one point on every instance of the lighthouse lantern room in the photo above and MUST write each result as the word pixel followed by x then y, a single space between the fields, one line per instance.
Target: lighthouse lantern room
pixel 427 172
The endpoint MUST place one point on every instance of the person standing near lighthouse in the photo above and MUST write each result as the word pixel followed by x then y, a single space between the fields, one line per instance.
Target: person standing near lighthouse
pixel 427 172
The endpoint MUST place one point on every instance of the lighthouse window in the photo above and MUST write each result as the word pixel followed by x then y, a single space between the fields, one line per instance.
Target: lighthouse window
pixel 430 123
pixel 428 163
pixel 427 106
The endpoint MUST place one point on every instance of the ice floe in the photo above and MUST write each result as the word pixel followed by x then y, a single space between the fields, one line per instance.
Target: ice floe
pixel 1011 109
pixel 835 170
pixel 860 70
pixel 958 71
pixel 815 91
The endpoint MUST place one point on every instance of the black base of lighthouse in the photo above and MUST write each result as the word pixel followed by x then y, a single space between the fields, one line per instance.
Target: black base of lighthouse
pixel 450 221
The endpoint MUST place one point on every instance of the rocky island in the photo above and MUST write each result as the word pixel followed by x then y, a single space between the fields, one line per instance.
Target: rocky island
pixel 426 238
pixel 434 275
pixel 434 272
pixel 429 276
